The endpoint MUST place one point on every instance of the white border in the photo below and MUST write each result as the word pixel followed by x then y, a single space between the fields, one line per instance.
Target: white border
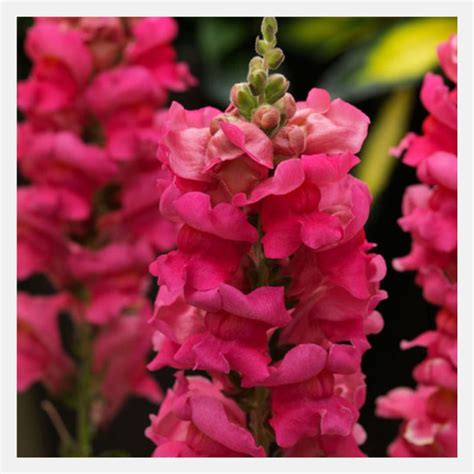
pixel 12 9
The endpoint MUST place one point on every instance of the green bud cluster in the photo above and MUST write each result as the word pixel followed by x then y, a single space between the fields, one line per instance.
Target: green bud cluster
pixel 262 88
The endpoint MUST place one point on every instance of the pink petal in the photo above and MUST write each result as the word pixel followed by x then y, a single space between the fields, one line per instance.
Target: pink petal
pixel 210 417
pixel 224 220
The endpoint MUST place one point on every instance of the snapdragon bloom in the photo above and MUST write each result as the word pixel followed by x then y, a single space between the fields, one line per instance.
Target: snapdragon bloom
pixel 197 420
pixel 429 412
pixel 88 220
pixel 128 339
pixel 271 289
pixel 41 356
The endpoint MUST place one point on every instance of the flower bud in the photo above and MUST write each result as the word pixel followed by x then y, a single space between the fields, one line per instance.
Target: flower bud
pixel 242 97
pixel 261 46
pixel 256 63
pixel 289 141
pixel 274 58
pixel 266 117
pixel 287 106
pixel 257 80
pixel 269 28
pixel 277 85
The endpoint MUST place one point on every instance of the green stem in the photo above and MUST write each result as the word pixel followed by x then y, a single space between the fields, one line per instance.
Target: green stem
pixel 261 97
pixel 84 441
pixel 258 418
pixel 259 410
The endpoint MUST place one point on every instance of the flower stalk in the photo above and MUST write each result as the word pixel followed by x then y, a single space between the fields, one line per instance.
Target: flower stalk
pixel 84 391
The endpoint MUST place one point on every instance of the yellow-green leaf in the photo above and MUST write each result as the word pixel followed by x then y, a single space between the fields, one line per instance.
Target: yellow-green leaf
pixel 386 131
pixel 406 51
pixel 328 36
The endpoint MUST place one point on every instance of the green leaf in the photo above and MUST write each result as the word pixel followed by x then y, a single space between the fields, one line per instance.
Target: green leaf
pixel 406 51
pixel 388 128
pixel 327 37
pixel 398 57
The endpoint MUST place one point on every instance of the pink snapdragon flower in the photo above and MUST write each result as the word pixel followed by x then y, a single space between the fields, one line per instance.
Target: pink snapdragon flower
pixel 105 37
pixel 430 215
pixel 236 154
pixel 197 420
pixel 125 99
pixel 429 427
pixel 211 244
pixel 429 412
pixel 89 221
pixel 338 291
pixel 231 334
pixel 327 208
pixel 272 289
pixel 139 216
pixel 62 64
pixel 302 392
pixel 430 209
pixel 118 354
pixel 330 126
pixel 41 357
pixel 352 388
pixel 44 215
pixel 151 48
pixel 128 102
pixel 62 160
pixel 114 277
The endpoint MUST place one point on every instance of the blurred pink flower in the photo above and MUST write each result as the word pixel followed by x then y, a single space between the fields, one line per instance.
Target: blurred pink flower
pixel 44 214
pixel 119 352
pixel 104 36
pixel 429 427
pixel 62 65
pixel 41 357
pixel 429 412
pixel 89 222
pixel 114 276
pixel 62 160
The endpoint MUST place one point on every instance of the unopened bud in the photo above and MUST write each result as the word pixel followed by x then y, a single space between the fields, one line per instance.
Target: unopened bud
pixel 287 106
pixel 257 80
pixel 274 58
pixel 266 117
pixel 261 46
pixel 289 141
pixel 269 28
pixel 276 87
pixel 256 63
pixel 242 97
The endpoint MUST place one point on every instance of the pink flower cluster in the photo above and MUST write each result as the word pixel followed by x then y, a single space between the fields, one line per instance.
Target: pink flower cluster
pixel 272 289
pixel 429 412
pixel 88 218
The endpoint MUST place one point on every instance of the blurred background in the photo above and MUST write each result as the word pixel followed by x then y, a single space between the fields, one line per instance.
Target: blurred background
pixel 377 64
